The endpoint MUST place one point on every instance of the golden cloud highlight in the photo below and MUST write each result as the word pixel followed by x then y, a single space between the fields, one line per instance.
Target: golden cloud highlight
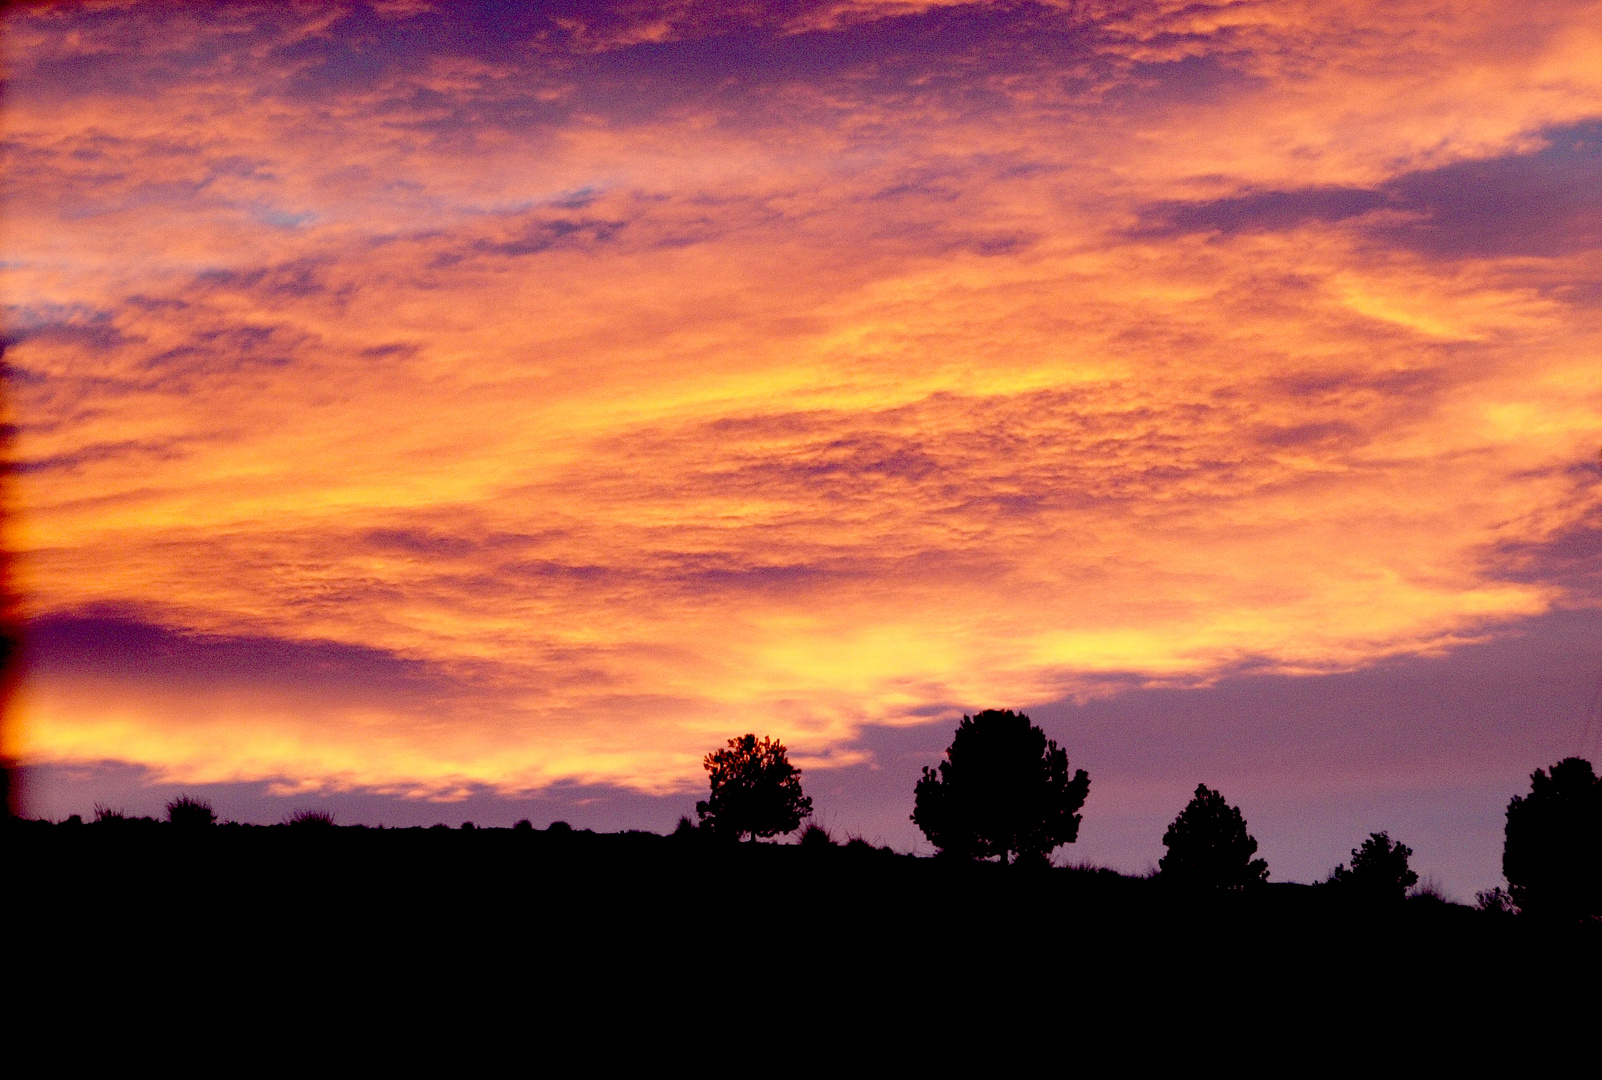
pixel 794 402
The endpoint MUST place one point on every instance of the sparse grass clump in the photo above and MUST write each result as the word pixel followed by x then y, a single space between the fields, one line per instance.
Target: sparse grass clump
pixel 1495 901
pixel 816 836
pixel 191 813
pixel 105 815
pixel 1428 891
pixel 312 819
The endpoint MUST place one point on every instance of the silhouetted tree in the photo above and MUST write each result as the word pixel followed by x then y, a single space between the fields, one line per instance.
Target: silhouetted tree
pixel 190 813
pixel 1004 788
pixel 1209 847
pixel 755 790
pixel 1379 870
pixel 1552 854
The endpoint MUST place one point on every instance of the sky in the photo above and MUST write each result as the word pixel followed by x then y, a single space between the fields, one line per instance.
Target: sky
pixel 444 412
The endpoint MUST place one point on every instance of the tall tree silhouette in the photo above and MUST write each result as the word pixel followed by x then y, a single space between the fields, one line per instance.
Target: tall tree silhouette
pixel 1552 853
pixel 755 790
pixel 1004 788
pixel 1209 847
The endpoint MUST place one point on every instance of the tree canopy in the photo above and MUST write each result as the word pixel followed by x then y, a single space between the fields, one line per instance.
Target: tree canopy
pixel 1003 789
pixel 1379 869
pixel 1552 853
pixel 755 790
pixel 1209 847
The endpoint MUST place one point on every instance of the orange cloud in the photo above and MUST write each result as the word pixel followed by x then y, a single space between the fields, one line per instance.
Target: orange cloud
pixel 646 396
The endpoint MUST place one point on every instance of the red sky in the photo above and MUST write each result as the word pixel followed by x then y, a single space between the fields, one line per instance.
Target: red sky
pixel 474 406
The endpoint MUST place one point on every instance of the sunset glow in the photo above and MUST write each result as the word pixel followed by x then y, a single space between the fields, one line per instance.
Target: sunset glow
pixel 450 404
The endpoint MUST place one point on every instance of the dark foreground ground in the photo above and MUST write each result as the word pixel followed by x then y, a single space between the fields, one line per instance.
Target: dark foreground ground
pixel 603 923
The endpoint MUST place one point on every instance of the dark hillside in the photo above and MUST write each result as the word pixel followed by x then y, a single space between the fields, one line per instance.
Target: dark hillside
pixel 641 915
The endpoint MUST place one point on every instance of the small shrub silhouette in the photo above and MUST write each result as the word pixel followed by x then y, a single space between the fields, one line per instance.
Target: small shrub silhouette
pixel 816 836
pixel 190 813
pixel 1209 847
pixel 1379 870
pixel 312 819
pixel 523 825
pixel 105 815
pixel 687 829
pixel 1495 902
pixel 1429 891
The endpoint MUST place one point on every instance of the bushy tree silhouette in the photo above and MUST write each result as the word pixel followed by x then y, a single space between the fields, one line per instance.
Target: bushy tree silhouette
pixel 190 813
pixel 1379 870
pixel 1209 847
pixel 1552 852
pixel 1003 789
pixel 755 790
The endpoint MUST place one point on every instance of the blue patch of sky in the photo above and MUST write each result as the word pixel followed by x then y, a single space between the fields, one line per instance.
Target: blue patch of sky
pixel 285 219
pixel 1540 203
